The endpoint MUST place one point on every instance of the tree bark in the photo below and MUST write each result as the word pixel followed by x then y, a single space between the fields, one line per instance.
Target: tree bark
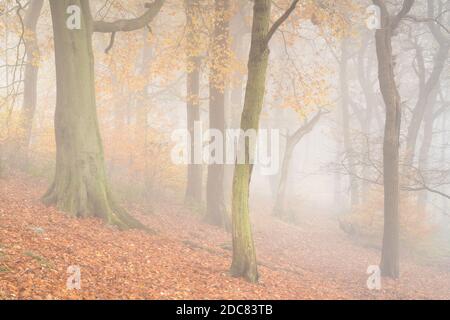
pixel 364 78
pixel 426 142
pixel 216 212
pixel 389 264
pixel 345 101
pixel 292 141
pixel 244 255
pixel 194 170
pixel 80 185
pixel 31 69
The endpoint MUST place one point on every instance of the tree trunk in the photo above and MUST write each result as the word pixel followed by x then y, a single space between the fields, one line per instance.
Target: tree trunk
pixel 280 202
pixel 31 69
pixel 345 101
pixel 364 73
pixel 216 213
pixel 426 142
pixel 80 185
pixel 292 141
pixel 424 95
pixel 194 170
pixel 389 264
pixel 244 255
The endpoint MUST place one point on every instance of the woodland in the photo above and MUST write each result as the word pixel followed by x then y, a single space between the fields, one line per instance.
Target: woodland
pixel 116 117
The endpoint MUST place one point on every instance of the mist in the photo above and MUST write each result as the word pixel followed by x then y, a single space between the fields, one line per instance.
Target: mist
pixel 224 149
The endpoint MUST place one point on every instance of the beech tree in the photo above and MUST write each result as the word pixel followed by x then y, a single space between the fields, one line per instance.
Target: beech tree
pixel 345 112
pixel 80 186
pixel 389 264
pixel 291 142
pixel 216 213
pixel 244 256
pixel 31 69
pixel 193 56
pixel 427 86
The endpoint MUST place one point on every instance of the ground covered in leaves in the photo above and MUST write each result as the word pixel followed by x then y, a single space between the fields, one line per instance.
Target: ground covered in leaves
pixel 185 258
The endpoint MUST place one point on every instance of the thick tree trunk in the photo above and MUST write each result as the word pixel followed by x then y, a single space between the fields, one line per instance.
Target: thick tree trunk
pixel 216 213
pixel 244 255
pixel 31 69
pixel 80 185
pixel 194 170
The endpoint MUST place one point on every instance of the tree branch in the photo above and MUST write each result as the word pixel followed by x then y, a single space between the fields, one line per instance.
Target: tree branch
pixel 280 21
pixel 407 5
pixel 130 24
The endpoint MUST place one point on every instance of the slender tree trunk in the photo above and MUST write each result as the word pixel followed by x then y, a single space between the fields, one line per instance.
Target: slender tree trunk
pixel 345 101
pixel 292 141
pixel 80 185
pixel 280 202
pixel 244 255
pixel 390 250
pixel 216 213
pixel 195 170
pixel 142 107
pixel 364 73
pixel 31 69
pixel 383 38
pixel 426 142
pixel 424 96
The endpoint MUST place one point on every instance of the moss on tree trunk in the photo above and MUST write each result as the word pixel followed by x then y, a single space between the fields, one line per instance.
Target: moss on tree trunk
pixel 244 256
pixel 80 185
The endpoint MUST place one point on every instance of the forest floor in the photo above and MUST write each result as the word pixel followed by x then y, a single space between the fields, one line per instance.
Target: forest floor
pixel 185 258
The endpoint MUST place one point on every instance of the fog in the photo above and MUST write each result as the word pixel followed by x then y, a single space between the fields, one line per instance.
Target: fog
pixel 114 120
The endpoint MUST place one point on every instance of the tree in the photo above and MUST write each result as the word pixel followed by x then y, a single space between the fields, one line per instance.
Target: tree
pixel 426 86
pixel 194 170
pixel 244 255
pixel 31 69
pixel 383 37
pixel 216 213
pixel 80 186
pixel 345 105
pixel 291 141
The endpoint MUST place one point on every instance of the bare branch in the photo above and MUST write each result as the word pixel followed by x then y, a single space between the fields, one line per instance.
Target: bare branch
pixel 130 24
pixel 280 21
